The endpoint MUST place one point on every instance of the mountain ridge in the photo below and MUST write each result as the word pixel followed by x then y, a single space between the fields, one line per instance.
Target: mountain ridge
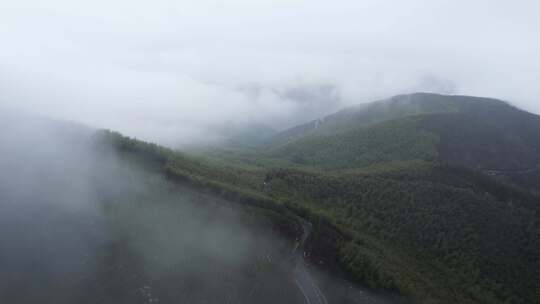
pixel 368 113
pixel 484 134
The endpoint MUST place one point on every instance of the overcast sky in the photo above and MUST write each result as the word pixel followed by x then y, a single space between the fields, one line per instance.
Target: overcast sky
pixel 175 71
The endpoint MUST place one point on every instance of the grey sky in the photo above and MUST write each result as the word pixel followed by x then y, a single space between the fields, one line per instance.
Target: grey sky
pixel 173 71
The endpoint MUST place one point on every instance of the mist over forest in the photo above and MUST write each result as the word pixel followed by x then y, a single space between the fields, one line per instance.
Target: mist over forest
pixel 81 225
pixel 270 151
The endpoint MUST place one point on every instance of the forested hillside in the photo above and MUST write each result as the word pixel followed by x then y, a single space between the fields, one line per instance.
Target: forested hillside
pixel 269 152
pixel 438 207
pixel 85 221
pixel 436 233
pixel 478 133
pixel 370 113
pixel 495 111
pixel 434 192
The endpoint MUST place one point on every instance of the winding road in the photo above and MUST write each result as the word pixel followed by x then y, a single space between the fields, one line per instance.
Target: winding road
pixel 302 278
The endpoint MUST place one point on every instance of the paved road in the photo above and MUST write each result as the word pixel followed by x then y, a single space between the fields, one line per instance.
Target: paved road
pixel 302 278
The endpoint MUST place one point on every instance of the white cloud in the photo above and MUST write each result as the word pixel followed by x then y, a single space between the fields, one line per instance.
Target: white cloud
pixel 171 70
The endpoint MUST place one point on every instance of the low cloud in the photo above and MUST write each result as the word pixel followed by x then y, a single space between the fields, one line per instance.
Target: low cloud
pixel 83 224
pixel 171 71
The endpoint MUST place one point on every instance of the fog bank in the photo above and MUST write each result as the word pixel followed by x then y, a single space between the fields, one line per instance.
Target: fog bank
pixel 83 224
pixel 175 72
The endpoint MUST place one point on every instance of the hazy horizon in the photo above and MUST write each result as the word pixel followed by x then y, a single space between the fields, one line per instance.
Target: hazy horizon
pixel 176 72
pixel 141 164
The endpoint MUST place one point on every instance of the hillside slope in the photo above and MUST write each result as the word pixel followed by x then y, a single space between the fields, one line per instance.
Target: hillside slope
pixel 478 133
pixel 407 204
pixel 431 195
pixel 85 221
pixel 440 234
pixel 436 233
pixel 362 115
pixel 367 114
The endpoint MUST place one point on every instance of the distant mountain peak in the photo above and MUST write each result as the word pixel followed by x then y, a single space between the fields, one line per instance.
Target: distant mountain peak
pixel 397 106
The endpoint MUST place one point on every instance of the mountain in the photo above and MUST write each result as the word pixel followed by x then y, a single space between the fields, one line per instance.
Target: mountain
pixel 367 114
pixel 479 133
pixel 431 195
pixel 396 107
pixel 425 197
pixel 435 233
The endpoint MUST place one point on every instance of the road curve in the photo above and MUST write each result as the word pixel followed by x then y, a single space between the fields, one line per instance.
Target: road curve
pixel 302 278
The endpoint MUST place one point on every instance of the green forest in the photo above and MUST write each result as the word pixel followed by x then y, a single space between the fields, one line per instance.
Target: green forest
pixel 411 225
pixel 428 196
